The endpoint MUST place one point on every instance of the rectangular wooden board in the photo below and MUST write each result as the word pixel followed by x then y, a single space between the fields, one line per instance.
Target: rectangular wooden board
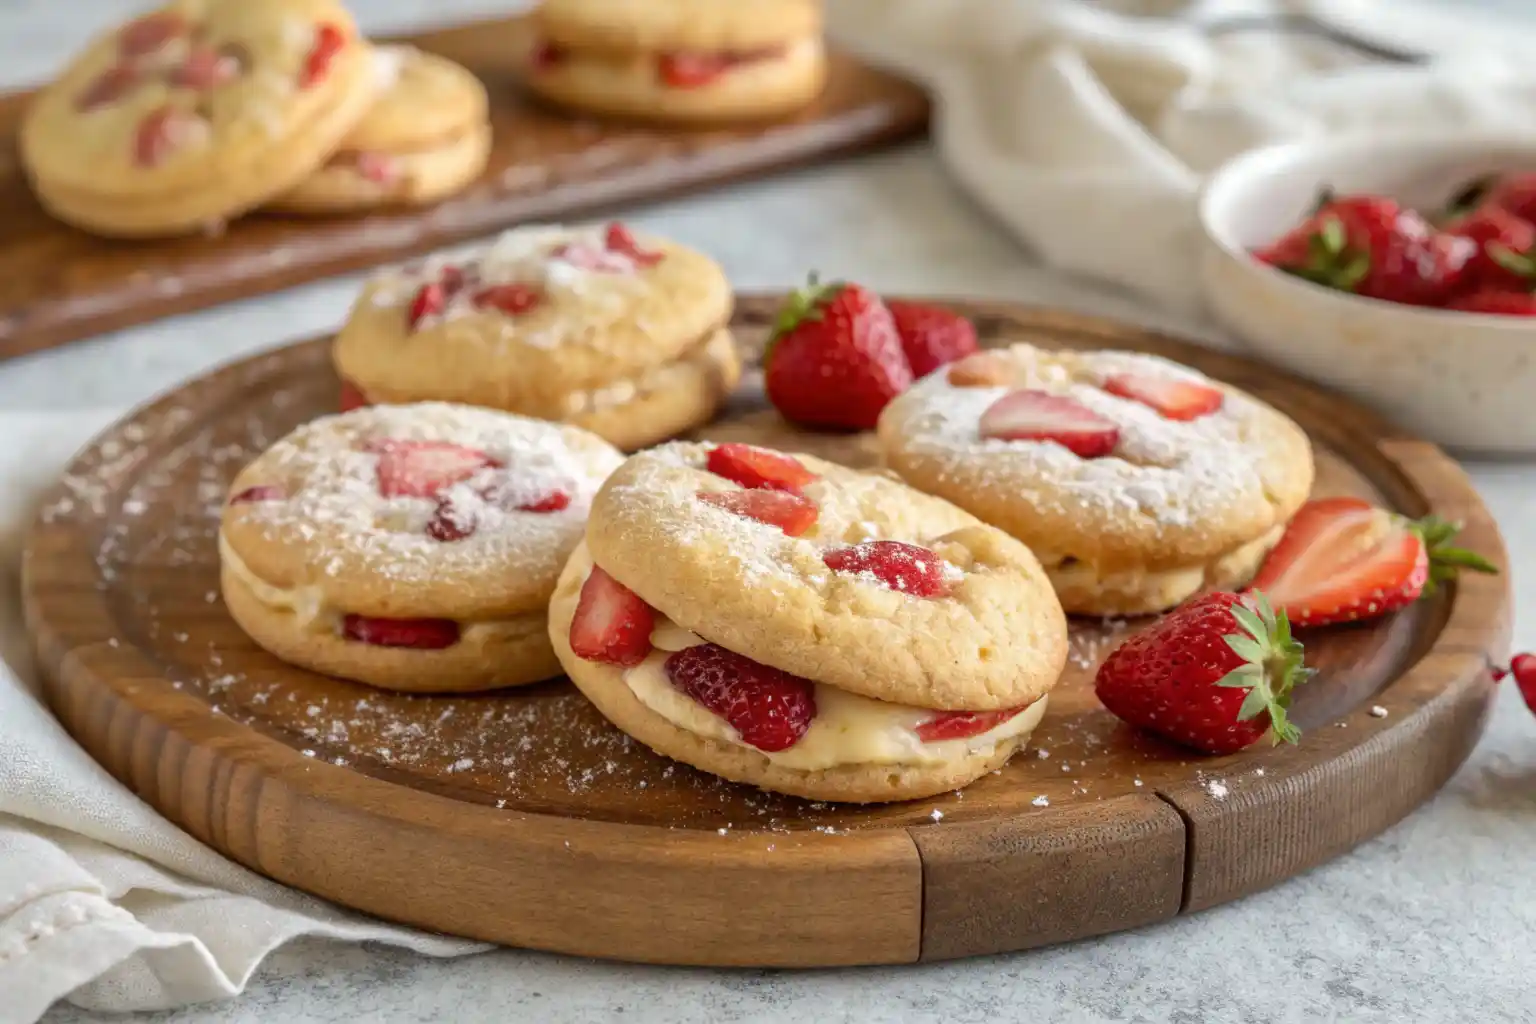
pixel 58 284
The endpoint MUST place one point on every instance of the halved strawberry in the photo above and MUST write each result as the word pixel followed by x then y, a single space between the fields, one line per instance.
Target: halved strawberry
pixel 1181 400
pixel 420 469
pixel 329 41
pixel 511 299
pixel 261 492
pixel 902 567
pixel 962 725
pixel 612 624
pixel 352 397
pixel 421 634
pixel 685 70
pixel 618 239
pixel 770 709
pixel 1342 559
pixel 1029 415
pixel 755 467
pixel 789 512
pixel 143 36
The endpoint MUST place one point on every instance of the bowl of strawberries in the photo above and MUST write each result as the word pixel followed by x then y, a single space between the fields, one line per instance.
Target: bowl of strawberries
pixel 1398 269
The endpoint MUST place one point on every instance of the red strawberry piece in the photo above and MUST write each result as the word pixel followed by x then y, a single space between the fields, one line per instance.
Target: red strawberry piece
pixel 618 239
pixel 770 709
pixel 261 492
pixel 432 298
pixel 205 68
pixel 982 370
pixel 612 624
pixel 1513 192
pixel 163 131
pixel 108 87
pixel 555 501
pixel 789 512
pixel 835 359
pixel 379 168
pixel 421 469
pixel 1498 235
pixel 143 36
pixel 686 70
pixel 511 299
pixel 902 567
pixel 547 56
pixel 1342 559
pixel 1523 668
pixel 352 397
pixel 1496 302
pixel 962 725
pixel 1173 399
pixel 753 468
pixel 450 523
pixel 421 634
pixel 931 336
pixel 1215 674
pixel 1029 415
pixel 329 41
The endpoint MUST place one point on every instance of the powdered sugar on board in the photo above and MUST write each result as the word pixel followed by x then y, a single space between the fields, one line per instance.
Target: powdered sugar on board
pixel 1174 473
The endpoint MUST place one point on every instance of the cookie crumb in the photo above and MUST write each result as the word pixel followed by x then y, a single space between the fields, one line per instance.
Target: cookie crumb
pixel 1377 711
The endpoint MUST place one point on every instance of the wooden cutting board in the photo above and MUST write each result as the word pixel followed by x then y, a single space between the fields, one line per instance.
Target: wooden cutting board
pixel 58 284
pixel 524 818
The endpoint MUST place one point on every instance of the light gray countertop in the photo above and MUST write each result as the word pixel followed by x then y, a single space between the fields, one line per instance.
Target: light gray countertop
pixel 1435 921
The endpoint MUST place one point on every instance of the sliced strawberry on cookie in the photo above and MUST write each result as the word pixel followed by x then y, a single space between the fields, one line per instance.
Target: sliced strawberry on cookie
pixel 330 40
pixel 612 624
pixel 770 709
pixel 1214 674
pixel 962 725
pixel 618 239
pixel 931 336
pixel 1181 400
pixel 903 567
pixel 421 469
pixel 789 512
pixel 1343 559
pixel 511 299
pixel 419 634
pixel 835 359
pixel 261 492
pixel 686 70
pixel 1029 415
pixel 753 467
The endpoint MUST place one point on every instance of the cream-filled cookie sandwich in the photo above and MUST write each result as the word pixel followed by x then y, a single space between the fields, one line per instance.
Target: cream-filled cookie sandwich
pixel 1139 482
pixel 788 623
pixel 624 336
pixel 414 548
pixel 679 60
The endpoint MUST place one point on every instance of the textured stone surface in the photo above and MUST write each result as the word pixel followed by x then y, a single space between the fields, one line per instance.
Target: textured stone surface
pixel 1433 922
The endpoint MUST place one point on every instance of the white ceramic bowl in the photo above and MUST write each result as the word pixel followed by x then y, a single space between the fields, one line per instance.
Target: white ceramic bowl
pixel 1466 381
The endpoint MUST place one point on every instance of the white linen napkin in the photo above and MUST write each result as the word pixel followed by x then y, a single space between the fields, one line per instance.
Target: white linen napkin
pixel 1088 132
pixel 101 899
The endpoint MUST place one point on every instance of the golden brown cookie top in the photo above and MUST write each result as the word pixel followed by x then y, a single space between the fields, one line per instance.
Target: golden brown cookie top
pixel 966 620
pixel 423 98
pixel 194 91
pixel 661 25
pixel 428 510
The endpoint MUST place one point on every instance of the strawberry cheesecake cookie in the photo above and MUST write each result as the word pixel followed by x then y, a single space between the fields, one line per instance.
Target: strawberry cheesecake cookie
pixel 1139 482
pixel 805 628
pixel 201 110
pixel 679 60
pixel 624 336
pixel 426 138
pixel 414 548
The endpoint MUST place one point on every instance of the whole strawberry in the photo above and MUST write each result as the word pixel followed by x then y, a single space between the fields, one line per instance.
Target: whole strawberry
pixel 1215 674
pixel 835 358
pixel 931 335
pixel 1502 241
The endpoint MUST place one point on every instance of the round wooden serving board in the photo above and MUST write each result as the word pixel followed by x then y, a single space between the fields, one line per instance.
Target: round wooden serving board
pixel 525 819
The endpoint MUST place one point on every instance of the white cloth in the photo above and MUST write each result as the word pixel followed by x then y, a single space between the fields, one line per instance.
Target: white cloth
pixel 101 899
pixel 1088 132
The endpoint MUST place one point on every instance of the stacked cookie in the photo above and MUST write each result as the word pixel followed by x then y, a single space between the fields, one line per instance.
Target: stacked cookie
pixel 203 110
pixel 621 335
pixel 679 60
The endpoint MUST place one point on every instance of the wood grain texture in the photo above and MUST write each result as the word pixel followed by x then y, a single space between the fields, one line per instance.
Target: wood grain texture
pixel 58 284
pixel 524 818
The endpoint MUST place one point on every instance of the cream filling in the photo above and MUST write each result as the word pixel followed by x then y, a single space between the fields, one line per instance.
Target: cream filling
pixel 848 729
pixel 1084 576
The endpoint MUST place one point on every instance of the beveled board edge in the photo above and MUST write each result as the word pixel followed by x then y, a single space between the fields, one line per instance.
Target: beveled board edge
pixel 870 896
pixel 339 245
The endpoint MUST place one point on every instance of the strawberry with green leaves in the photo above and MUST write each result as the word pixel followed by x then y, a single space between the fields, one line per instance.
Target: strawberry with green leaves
pixel 1215 674
pixel 835 358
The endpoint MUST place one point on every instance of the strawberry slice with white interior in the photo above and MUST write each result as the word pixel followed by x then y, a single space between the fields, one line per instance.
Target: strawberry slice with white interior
pixel 418 634
pixel 962 725
pixel 1029 415
pixel 753 467
pixel 769 708
pixel 1181 400
pixel 789 512
pixel 422 469
pixel 612 624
